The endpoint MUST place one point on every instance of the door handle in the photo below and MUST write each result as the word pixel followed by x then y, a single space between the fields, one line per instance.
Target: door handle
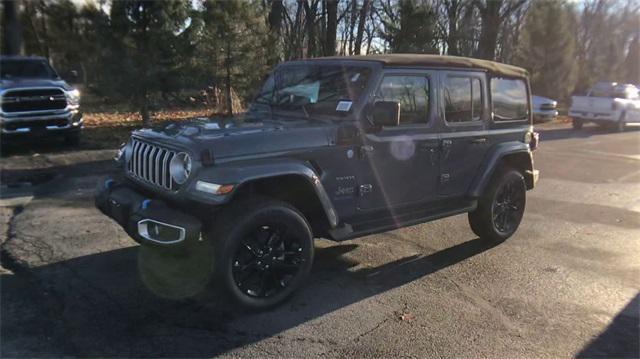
pixel 480 140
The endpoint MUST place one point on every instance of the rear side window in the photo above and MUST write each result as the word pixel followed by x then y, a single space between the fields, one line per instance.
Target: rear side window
pixel 412 92
pixel 509 99
pixel 463 99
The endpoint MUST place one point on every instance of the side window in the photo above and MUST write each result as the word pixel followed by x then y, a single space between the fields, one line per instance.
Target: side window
pixel 463 99
pixel 412 92
pixel 509 99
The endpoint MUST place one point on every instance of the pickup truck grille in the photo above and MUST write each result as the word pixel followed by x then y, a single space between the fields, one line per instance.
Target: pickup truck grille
pixel 150 163
pixel 33 100
pixel 547 106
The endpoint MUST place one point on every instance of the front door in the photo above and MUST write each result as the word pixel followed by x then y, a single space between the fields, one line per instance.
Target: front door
pixel 402 163
pixel 464 141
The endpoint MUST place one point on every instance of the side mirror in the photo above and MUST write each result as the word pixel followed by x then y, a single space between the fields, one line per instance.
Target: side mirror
pixel 386 113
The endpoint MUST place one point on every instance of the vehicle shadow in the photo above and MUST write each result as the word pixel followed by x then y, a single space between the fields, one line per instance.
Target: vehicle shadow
pixel 97 305
pixel 621 339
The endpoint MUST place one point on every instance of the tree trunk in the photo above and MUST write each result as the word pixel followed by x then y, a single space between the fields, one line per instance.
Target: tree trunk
pixel 275 17
pixel 12 39
pixel 227 80
pixel 364 11
pixel 310 23
pixel 332 27
pixel 144 110
pixel 453 12
pixel 490 15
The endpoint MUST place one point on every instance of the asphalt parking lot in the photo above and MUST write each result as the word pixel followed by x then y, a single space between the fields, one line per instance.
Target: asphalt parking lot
pixel 567 284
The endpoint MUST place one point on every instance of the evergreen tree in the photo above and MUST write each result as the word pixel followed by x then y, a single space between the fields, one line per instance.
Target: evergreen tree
pixel 234 41
pixel 414 31
pixel 547 48
pixel 146 48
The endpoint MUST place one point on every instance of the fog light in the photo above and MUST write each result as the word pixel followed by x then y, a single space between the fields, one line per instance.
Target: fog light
pixel 160 232
pixel 213 188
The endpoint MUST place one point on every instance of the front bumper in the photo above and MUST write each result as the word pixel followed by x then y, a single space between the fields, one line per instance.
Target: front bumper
pixel 41 125
pixel 147 220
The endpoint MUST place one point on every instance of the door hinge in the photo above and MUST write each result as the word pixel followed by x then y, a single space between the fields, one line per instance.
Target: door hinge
pixel 365 189
pixel 445 177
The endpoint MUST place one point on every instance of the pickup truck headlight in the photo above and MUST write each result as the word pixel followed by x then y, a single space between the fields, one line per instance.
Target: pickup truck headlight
pixel 180 167
pixel 73 97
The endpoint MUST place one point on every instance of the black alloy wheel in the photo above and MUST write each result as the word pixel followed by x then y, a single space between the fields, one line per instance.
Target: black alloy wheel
pixel 263 251
pixel 267 260
pixel 501 207
pixel 508 207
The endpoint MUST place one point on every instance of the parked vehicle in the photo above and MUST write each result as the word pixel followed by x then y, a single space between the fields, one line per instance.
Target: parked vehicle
pixel 337 148
pixel 36 102
pixel 544 109
pixel 607 103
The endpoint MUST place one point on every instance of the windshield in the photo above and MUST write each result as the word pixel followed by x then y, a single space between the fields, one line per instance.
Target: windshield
pixel 314 89
pixel 25 69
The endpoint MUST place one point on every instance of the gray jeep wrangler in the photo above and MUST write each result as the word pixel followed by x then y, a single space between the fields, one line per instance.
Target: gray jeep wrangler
pixel 335 148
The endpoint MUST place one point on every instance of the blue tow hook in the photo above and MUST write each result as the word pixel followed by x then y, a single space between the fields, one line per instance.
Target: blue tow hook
pixel 145 203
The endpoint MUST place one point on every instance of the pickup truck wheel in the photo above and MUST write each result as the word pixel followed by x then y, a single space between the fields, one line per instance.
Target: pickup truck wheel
pixel 501 207
pixel 72 140
pixel 621 124
pixel 263 252
pixel 576 123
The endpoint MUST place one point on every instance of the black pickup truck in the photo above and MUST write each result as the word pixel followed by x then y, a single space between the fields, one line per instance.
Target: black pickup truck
pixel 334 148
pixel 35 102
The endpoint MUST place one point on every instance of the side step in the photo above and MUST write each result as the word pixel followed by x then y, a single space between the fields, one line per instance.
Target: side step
pixel 371 226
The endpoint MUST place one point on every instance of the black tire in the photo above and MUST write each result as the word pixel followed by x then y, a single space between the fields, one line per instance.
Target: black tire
pixel 576 123
pixel 621 124
pixel 501 207
pixel 263 251
pixel 72 139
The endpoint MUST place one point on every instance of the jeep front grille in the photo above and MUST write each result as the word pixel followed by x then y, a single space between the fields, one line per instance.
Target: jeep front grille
pixel 44 99
pixel 150 163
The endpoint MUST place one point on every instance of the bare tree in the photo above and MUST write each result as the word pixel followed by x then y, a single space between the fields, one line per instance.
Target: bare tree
pixel 493 13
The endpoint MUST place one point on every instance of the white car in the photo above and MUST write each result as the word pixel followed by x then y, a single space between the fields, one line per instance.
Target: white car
pixel 544 109
pixel 607 103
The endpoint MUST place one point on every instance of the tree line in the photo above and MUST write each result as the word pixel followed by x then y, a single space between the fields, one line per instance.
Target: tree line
pixel 148 53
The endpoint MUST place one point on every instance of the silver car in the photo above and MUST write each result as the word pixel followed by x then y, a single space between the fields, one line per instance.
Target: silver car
pixel 544 109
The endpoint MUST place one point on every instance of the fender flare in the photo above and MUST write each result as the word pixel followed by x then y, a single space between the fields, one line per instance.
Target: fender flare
pixel 491 162
pixel 242 173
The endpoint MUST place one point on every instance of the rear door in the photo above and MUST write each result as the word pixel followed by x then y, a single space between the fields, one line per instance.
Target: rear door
pixel 464 140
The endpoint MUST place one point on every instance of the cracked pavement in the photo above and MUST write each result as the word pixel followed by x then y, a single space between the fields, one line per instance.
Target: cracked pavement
pixel 567 284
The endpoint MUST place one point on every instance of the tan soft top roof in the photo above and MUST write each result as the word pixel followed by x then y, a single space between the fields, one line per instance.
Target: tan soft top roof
pixel 438 61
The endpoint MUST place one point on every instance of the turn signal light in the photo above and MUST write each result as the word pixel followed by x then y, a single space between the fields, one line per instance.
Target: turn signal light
pixel 532 139
pixel 214 188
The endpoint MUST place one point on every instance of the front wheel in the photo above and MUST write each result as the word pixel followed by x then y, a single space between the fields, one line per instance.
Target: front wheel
pixel 576 123
pixel 501 207
pixel 263 252
pixel 72 139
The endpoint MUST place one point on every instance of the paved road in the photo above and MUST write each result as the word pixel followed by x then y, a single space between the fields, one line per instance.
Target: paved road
pixel 567 284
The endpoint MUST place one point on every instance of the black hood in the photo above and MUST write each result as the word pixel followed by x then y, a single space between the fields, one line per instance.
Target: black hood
pixel 233 137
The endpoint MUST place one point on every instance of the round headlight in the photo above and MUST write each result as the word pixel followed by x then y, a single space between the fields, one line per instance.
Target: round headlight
pixel 180 167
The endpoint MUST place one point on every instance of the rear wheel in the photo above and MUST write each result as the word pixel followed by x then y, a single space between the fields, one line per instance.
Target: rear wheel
pixel 263 252
pixel 576 123
pixel 501 207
